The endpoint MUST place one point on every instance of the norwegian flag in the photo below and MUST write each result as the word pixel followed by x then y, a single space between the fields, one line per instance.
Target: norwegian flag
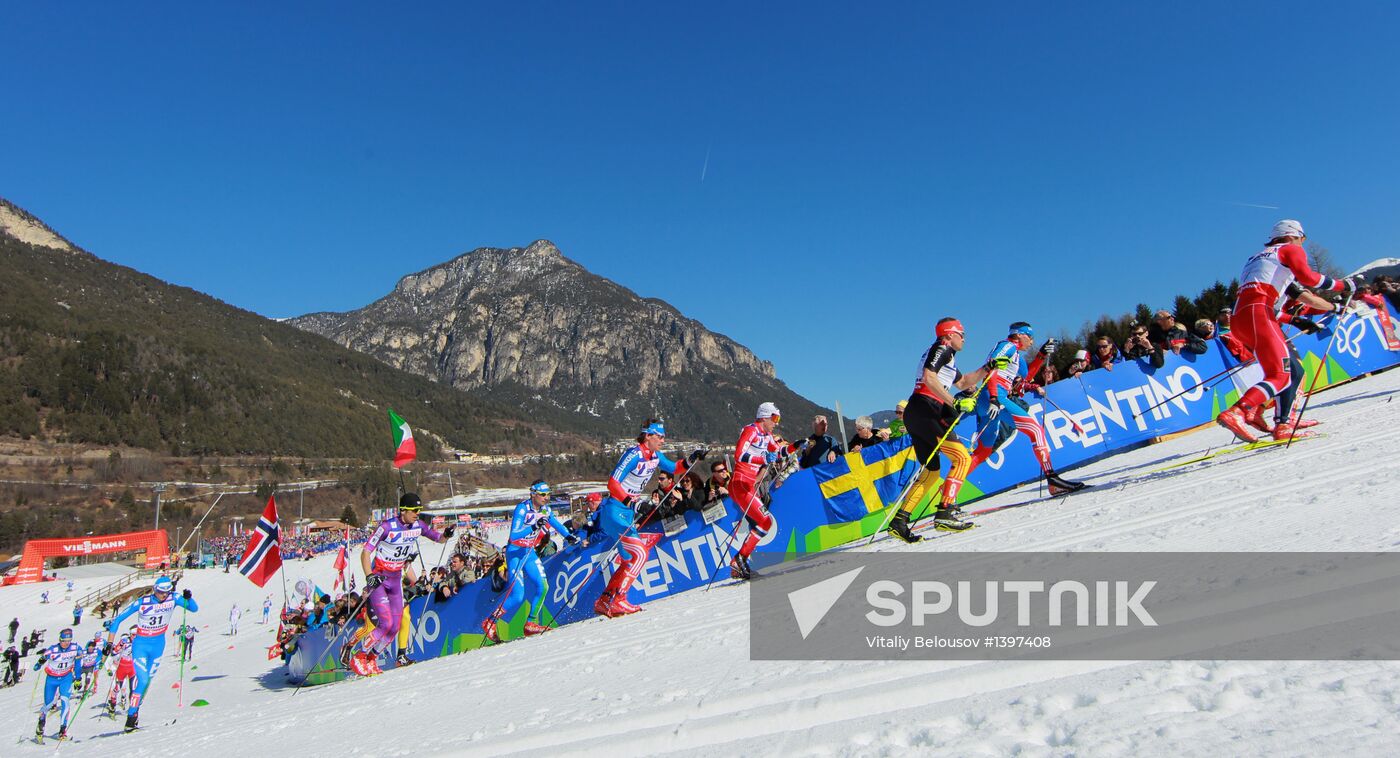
pixel 264 554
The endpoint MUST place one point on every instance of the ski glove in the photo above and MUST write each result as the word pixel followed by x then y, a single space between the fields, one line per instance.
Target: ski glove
pixel 571 538
pixel 1306 325
pixel 993 407
pixel 1050 346
pixel 1349 287
pixel 449 531
pixel 966 404
pixel 187 595
pixel 770 458
pixel 698 454
pixel 373 581
pixel 999 362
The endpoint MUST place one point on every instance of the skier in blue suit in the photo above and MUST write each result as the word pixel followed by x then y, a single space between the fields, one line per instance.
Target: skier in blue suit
pixel 529 527
pixel 153 615
pixel 60 664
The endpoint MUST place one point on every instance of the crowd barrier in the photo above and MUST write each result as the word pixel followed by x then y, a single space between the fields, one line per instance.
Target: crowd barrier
pixel 834 504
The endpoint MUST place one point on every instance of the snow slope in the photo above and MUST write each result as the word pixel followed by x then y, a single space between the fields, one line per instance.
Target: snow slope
pixel 677 679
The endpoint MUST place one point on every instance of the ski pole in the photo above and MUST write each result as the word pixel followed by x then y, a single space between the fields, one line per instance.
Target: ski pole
pixel 34 691
pixel 1077 428
pixel 1208 382
pixel 350 619
pixel 1322 367
pixel 180 698
pixel 724 550
pixel 613 550
pixel 73 715
pixel 505 594
pixel 899 501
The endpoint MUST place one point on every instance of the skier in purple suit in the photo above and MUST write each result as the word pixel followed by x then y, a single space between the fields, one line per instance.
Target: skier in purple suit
pixel 387 555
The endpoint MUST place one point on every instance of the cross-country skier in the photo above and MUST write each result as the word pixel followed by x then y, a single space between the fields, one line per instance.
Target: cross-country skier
pixel 756 448
pixel 153 612
pixel 87 666
pixel 1255 323
pixel 1001 412
pixel 60 663
pixel 267 608
pixel 529 527
pixel 386 558
pixel 234 615
pixel 932 408
pixel 1300 304
pixel 617 516
pixel 124 675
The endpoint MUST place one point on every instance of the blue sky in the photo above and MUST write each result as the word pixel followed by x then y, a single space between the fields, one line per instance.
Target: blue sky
pixel 818 182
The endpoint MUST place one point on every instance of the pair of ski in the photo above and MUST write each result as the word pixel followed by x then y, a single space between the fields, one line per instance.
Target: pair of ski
pixel 1236 450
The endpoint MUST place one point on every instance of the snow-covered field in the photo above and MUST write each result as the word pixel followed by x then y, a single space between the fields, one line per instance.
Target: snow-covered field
pixel 677 679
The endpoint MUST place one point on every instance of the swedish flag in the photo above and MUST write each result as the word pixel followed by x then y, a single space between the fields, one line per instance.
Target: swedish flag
pixel 858 484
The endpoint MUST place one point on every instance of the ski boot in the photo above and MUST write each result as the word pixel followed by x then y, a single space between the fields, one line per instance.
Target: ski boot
pixel 532 629
pixel 39 733
pixel 1232 418
pixel 899 527
pixel 62 733
pixel 622 602
pixel 945 519
pixel 373 664
pixel 603 606
pixel 488 628
pixel 402 660
pixel 360 663
pixel 130 723
pixel 1061 486
pixel 1285 431
pixel 1255 418
pixel 1298 422
pixel 739 568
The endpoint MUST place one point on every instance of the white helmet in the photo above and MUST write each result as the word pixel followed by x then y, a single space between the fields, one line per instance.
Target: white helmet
pixel 767 410
pixel 1288 228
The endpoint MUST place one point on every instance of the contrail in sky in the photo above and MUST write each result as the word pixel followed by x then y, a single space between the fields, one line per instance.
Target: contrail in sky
pixel 1255 205
pixel 705 168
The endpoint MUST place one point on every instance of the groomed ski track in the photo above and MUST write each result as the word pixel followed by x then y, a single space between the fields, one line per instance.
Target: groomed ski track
pixel 677 679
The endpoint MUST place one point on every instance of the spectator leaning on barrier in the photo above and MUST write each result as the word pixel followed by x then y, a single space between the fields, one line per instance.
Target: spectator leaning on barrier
pixel 718 486
pixel 692 492
pixel 1204 328
pixel 1138 344
pixel 666 498
pixel 821 447
pixel 1048 375
pixel 1105 353
pixel 897 425
pixel 1222 322
pixel 1079 365
pixel 1167 335
pixel 865 435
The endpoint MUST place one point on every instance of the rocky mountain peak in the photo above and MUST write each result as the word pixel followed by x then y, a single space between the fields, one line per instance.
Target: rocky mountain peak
pixel 532 327
pixel 23 226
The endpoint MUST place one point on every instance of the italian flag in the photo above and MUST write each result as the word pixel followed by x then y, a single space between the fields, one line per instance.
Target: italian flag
pixel 404 448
